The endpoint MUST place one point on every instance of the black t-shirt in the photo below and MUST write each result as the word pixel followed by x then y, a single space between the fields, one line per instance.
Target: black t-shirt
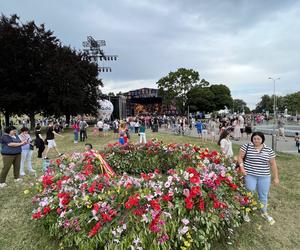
pixel 50 135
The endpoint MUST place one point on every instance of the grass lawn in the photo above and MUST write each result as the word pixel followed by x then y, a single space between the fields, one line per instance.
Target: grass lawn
pixel 18 231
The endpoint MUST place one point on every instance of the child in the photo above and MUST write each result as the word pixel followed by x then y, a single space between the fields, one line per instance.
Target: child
pixel 121 139
pixel 95 131
pixel 88 148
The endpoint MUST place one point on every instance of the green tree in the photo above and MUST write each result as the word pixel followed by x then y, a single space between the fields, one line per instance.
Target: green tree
pixel 201 99
pixel 266 104
pixel 222 96
pixel 176 85
pixel 38 74
pixel 240 106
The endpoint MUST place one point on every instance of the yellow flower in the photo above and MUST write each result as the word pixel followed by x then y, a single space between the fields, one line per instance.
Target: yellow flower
pixel 183 248
pixel 26 191
pixel 254 203
pixel 248 210
pixel 187 244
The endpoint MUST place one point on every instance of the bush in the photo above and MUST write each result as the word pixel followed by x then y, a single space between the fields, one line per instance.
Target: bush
pixel 186 207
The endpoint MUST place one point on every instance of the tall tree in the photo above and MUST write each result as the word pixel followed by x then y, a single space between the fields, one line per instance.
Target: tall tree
pixel 222 96
pixel 176 85
pixel 201 99
pixel 240 106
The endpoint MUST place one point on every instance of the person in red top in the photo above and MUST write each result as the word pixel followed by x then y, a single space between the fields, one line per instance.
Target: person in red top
pixel 75 126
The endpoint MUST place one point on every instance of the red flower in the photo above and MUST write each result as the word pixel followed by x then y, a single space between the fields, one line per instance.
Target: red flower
pixel 189 203
pixel 46 210
pixel 106 217
pixel 96 207
pixel 58 210
pixel 191 170
pixel 37 215
pixel 217 204
pixel 166 197
pixel 195 179
pixel 47 180
pixel 201 205
pixel 222 215
pixel 95 229
pixel 233 186
pixel 139 211
pixel 155 205
pixel 195 190
pixel 132 201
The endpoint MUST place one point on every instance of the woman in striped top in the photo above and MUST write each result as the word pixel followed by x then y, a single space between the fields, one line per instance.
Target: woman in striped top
pixel 255 159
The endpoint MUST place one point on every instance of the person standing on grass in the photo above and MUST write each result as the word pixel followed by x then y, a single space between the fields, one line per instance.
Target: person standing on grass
pixel 39 141
pixel 297 140
pixel 100 127
pixel 75 127
pixel 199 127
pixel 255 159
pixel 11 154
pixel 83 126
pixel 225 143
pixel 142 132
pixel 50 140
pixel 26 154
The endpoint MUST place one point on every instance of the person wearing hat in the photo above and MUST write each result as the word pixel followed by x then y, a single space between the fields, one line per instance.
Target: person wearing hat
pixel 11 154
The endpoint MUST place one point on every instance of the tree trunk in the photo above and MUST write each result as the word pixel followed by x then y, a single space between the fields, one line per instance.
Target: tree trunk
pixel 68 118
pixel 32 121
pixel 6 115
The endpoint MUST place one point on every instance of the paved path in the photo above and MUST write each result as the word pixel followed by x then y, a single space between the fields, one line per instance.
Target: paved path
pixel 285 146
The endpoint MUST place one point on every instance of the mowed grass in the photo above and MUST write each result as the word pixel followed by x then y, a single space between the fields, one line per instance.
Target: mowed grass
pixel 18 231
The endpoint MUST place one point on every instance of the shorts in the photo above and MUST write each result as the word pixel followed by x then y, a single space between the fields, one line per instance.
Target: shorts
pixel 199 131
pixel 213 134
pixel 51 143
pixel 100 129
pixel 242 130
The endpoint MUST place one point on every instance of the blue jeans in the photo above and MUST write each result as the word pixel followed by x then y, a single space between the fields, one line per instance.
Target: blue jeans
pixel 261 184
pixel 75 135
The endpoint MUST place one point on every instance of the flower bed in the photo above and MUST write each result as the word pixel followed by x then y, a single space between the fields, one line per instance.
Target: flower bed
pixel 186 207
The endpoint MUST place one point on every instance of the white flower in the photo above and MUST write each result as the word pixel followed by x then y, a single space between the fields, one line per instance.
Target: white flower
pixel 145 218
pixel 185 221
pixel 116 241
pixel 167 184
pixel 119 230
pixel 124 226
pixel 137 241
pixel 183 230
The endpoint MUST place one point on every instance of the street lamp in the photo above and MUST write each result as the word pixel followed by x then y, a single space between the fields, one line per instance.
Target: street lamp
pixel 274 111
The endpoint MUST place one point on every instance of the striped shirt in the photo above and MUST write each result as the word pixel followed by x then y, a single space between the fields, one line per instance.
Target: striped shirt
pixel 257 163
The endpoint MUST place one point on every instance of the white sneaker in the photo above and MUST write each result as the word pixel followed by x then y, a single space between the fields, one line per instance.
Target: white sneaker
pixel 2 185
pixel 268 218
pixel 18 180
pixel 22 174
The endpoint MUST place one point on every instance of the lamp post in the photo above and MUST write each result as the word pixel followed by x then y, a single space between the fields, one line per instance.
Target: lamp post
pixel 274 111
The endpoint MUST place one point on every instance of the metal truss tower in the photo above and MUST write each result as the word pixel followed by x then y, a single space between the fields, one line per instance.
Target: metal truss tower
pixel 92 48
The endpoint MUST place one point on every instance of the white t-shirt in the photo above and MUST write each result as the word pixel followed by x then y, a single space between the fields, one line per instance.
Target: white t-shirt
pixel 100 124
pixel 226 147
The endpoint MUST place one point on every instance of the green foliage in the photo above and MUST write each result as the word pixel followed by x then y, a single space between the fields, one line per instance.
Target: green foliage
pixel 176 85
pixel 38 74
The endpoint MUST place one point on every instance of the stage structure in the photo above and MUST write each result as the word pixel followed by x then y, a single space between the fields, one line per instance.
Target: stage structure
pixel 93 49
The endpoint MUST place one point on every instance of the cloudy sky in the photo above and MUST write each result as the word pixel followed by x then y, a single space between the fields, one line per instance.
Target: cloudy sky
pixel 239 43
